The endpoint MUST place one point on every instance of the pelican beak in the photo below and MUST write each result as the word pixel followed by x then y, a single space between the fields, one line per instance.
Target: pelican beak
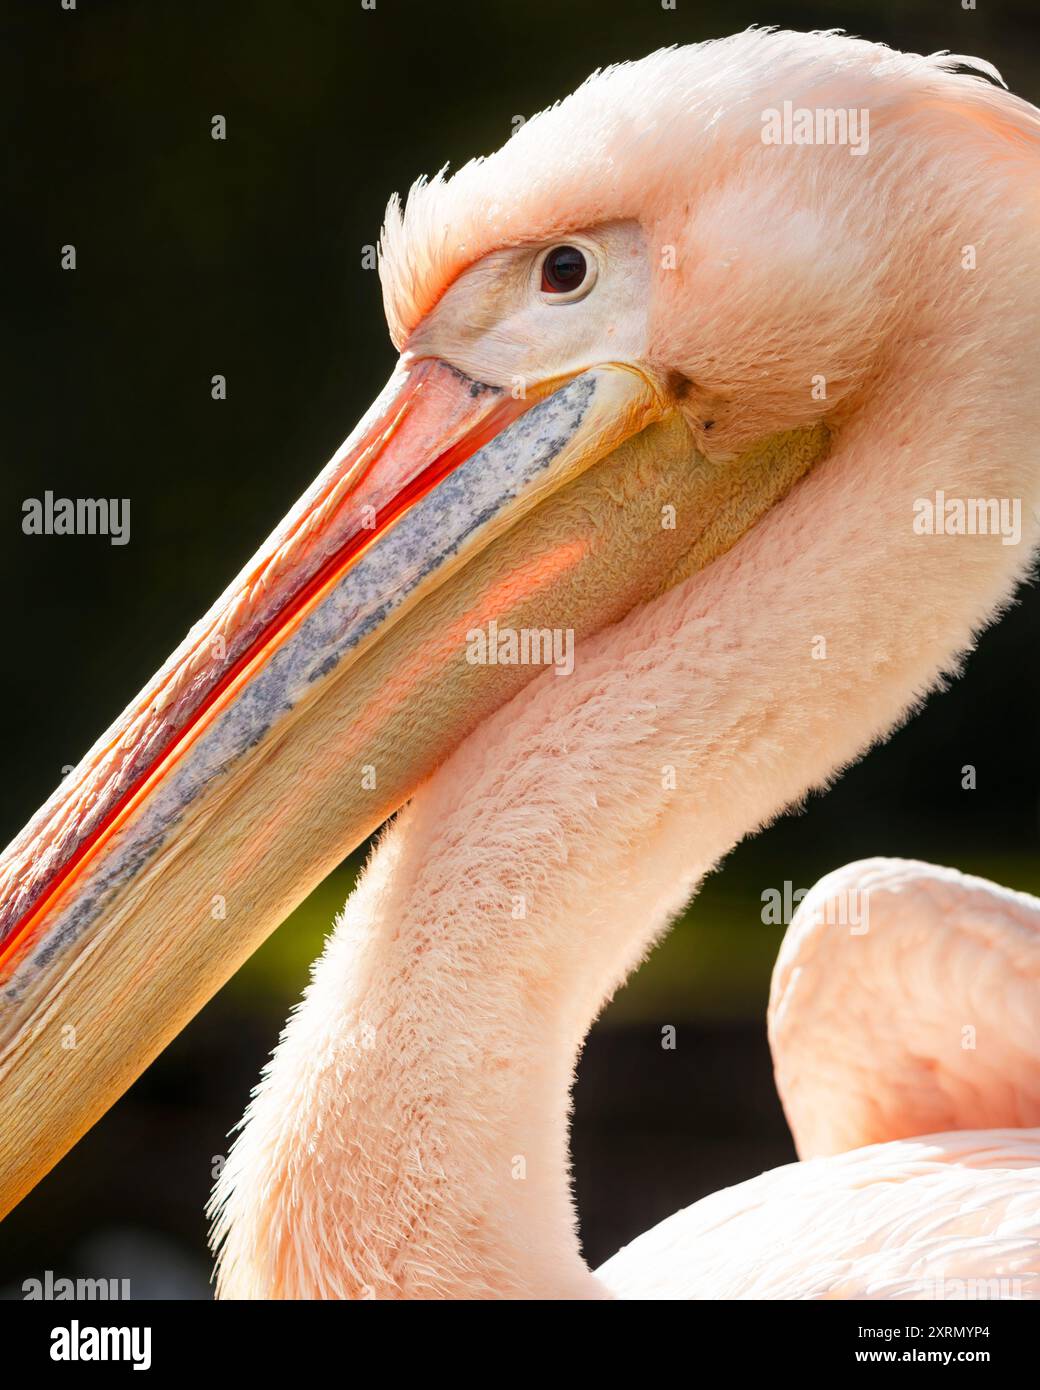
pixel 323 685
pixel 332 676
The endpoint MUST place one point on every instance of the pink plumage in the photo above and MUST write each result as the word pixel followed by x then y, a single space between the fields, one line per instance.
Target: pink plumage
pixel 409 1137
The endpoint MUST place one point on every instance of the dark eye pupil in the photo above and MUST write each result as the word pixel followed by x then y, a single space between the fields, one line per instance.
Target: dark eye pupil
pixel 563 269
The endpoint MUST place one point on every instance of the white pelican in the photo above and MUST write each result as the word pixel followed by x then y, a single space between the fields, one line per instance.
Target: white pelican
pixel 683 366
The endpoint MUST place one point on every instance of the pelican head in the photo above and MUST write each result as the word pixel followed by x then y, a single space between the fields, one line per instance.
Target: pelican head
pixel 644 352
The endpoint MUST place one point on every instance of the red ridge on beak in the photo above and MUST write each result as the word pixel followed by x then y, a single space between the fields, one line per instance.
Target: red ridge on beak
pixel 427 421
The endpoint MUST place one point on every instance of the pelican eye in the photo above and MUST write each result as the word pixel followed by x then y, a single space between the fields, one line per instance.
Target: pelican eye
pixel 565 271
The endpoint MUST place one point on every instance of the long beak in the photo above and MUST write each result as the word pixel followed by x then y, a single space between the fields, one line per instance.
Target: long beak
pixel 332 676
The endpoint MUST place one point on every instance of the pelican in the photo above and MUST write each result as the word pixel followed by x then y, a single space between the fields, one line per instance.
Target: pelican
pixel 683 367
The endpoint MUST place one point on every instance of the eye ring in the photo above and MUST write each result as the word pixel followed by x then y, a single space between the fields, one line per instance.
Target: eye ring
pixel 566 272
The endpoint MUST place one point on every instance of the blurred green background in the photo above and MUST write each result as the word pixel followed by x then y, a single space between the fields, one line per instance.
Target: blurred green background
pixel 244 258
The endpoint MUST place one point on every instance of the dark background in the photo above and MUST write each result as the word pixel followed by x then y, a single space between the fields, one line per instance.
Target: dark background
pixel 243 257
